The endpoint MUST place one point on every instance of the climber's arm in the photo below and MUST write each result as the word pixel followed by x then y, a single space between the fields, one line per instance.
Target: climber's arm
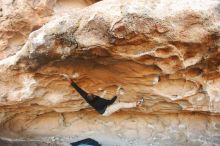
pixel 112 100
pixel 78 89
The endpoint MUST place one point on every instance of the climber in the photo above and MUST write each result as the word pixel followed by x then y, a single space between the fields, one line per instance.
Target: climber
pixel 103 106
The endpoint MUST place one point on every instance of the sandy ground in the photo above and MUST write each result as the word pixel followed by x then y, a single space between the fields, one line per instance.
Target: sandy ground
pixel 120 129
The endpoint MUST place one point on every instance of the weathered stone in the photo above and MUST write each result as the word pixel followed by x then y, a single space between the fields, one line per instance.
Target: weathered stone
pixel 165 51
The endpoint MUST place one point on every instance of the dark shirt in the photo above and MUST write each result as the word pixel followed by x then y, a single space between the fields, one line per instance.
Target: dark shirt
pixel 98 103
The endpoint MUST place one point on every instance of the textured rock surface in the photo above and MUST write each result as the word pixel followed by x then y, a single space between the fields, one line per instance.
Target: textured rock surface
pixel 165 51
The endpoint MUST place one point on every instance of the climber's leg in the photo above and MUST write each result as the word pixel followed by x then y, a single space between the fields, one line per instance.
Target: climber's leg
pixel 120 105
pixel 117 106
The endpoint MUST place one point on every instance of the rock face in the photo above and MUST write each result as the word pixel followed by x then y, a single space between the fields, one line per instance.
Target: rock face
pixel 163 50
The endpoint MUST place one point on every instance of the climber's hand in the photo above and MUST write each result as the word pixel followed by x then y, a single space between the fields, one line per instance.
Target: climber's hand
pixel 119 91
pixel 68 78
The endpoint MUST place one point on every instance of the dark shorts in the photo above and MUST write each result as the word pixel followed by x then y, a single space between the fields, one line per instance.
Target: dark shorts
pixel 101 111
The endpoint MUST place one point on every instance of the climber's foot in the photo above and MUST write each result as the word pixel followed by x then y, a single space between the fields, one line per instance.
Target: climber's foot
pixel 140 102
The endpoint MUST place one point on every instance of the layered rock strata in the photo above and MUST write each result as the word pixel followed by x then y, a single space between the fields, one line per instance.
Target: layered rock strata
pixel 165 51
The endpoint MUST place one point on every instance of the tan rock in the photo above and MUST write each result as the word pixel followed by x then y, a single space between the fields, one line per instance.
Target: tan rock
pixel 165 51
